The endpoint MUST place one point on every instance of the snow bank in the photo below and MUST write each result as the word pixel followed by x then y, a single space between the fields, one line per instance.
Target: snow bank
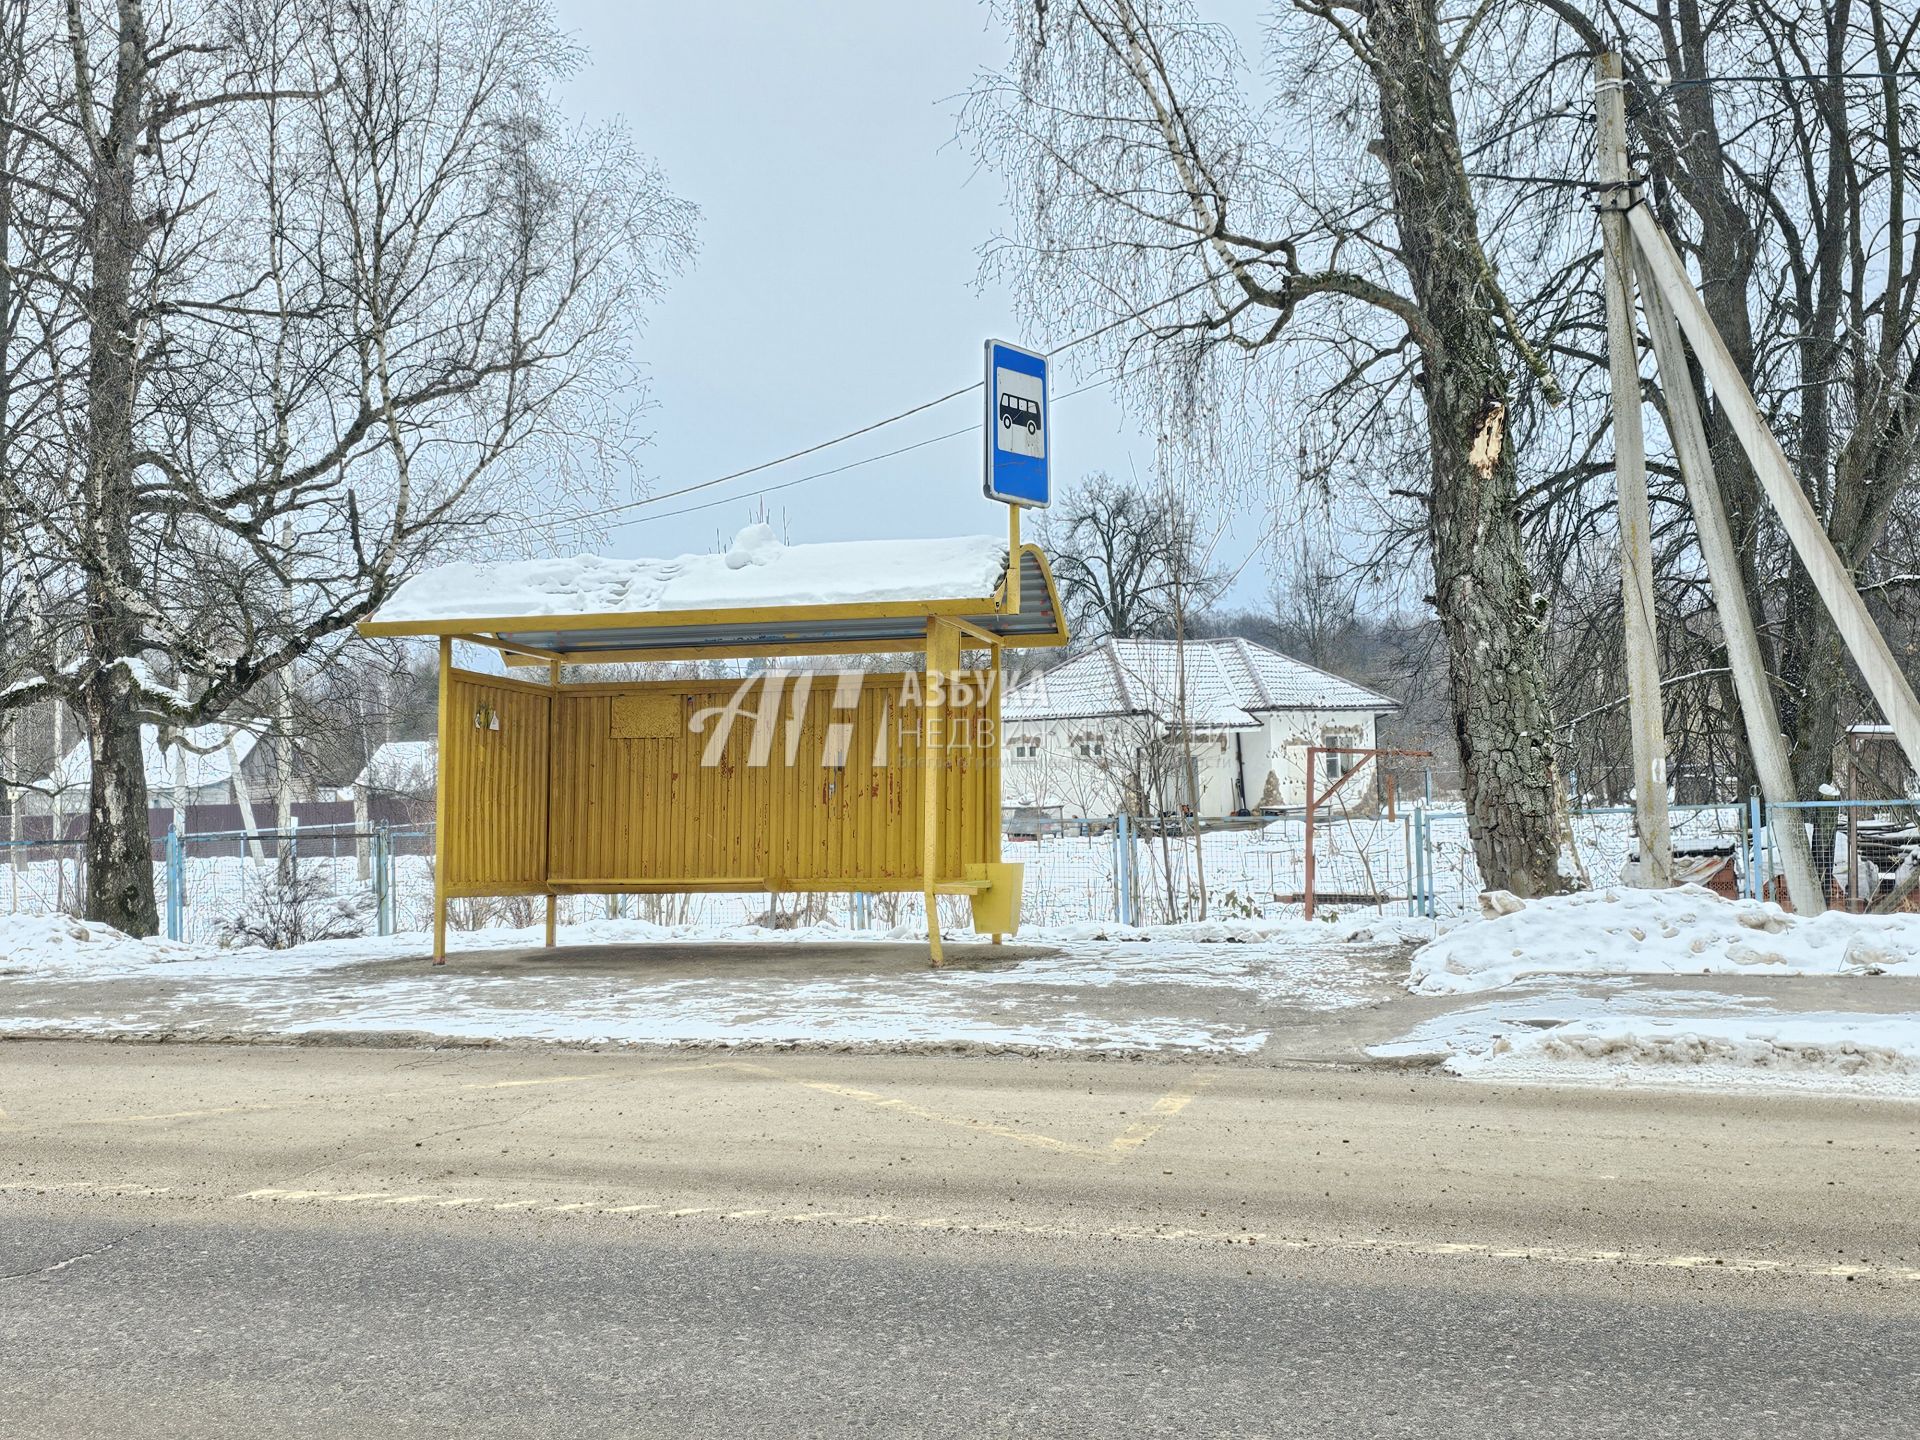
pixel 1809 1050
pixel 59 945
pixel 756 570
pixel 1684 931
pixel 1618 1032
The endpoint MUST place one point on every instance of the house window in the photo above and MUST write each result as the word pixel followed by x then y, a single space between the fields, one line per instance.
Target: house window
pixel 1025 747
pixel 1337 765
pixel 1089 747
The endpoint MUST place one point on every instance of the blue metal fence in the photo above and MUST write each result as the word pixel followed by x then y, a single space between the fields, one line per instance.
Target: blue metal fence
pixel 1128 870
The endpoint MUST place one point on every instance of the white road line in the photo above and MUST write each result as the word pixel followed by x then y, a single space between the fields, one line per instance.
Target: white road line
pixel 1430 1249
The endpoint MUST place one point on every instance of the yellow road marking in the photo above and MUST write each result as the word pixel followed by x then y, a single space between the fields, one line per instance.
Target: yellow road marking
pixel 1164 1109
pixel 186 1114
pixel 304 1101
pixel 1124 1144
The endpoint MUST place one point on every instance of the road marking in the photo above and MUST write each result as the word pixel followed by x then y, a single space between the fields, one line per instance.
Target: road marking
pixel 1159 1235
pixel 1124 1144
pixel 185 1114
pixel 254 1107
pixel 1164 1109
pixel 1127 1143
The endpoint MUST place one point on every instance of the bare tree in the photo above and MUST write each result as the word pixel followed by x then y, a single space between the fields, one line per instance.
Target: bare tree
pixel 1120 556
pixel 308 291
pixel 1140 172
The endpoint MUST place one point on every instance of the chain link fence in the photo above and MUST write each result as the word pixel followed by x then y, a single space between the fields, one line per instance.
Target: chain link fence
pixel 280 888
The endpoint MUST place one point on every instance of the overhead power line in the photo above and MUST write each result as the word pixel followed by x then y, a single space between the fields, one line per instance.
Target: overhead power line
pixel 911 411
pixel 823 474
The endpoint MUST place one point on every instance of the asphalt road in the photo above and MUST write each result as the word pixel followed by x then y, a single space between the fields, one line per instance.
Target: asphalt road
pixel 214 1241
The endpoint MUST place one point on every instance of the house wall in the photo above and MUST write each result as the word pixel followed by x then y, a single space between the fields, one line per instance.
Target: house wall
pixel 1059 775
pixel 1288 735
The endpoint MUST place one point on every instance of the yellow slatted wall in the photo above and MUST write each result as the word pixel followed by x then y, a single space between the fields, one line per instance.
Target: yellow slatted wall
pixel 494 829
pixel 635 807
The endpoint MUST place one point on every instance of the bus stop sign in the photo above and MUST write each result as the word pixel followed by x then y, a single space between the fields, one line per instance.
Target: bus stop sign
pixel 1017 463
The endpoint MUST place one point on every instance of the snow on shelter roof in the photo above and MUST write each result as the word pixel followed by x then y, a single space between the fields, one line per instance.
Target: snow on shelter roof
pixel 759 594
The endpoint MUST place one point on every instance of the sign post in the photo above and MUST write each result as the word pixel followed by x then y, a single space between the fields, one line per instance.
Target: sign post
pixel 1018 470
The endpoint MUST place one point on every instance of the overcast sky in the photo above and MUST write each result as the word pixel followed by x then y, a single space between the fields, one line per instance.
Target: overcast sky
pixel 839 244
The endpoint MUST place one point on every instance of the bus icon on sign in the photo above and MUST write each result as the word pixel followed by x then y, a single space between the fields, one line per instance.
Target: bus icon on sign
pixel 1018 410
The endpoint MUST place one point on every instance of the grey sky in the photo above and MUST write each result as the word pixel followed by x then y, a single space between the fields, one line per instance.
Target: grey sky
pixel 839 245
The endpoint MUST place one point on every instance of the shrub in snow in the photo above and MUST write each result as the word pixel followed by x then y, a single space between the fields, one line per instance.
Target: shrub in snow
pixel 291 907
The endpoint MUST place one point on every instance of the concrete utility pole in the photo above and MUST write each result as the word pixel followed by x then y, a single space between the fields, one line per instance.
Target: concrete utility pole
pixel 1630 478
pixel 1744 659
pixel 1825 568
pixel 1679 323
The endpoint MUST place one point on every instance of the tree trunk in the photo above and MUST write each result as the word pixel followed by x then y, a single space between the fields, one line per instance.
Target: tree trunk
pixel 119 852
pixel 1489 613
pixel 119 863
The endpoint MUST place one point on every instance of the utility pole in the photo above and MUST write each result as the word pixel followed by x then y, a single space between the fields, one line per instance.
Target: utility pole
pixel 1715 533
pixel 1630 479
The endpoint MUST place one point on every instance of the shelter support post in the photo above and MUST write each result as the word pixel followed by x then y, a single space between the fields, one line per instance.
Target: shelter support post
pixel 553 720
pixel 943 660
pixel 1829 573
pixel 441 849
pixel 996 834
pixel 1630 480
pixel 1744 658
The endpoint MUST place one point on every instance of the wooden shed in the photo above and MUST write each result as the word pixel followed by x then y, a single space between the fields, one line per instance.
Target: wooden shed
pixel 785 779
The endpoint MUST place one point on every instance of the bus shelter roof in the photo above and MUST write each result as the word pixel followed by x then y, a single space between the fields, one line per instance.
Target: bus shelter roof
pixel 760 597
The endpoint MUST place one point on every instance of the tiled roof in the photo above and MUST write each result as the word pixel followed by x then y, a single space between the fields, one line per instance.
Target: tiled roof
pixel 1229 683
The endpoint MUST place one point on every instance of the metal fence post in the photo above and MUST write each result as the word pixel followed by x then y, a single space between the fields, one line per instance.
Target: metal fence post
pixel 382 888
pixel 1420 865
pixel 1755 889
pixel 1122 870
pixel 176 873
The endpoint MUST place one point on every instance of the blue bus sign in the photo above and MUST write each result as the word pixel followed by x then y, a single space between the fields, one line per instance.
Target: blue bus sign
pixel 1017 465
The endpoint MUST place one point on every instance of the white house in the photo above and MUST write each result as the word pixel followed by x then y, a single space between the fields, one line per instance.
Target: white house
pixel 1101 733
pixel 399 767
pixel 196 766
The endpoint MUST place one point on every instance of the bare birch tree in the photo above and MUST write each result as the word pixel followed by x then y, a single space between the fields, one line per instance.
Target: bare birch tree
pixel 306 292
pixel 1325 249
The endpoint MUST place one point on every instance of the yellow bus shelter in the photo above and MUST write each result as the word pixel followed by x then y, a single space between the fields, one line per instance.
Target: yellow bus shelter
pixel 787 780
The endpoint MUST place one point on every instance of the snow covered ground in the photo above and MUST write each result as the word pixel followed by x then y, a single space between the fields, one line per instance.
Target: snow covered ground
pixel 1684 931
pixel 1213 987
pixel 1570 1011
pixel 1617 1033
pixel 1609 987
